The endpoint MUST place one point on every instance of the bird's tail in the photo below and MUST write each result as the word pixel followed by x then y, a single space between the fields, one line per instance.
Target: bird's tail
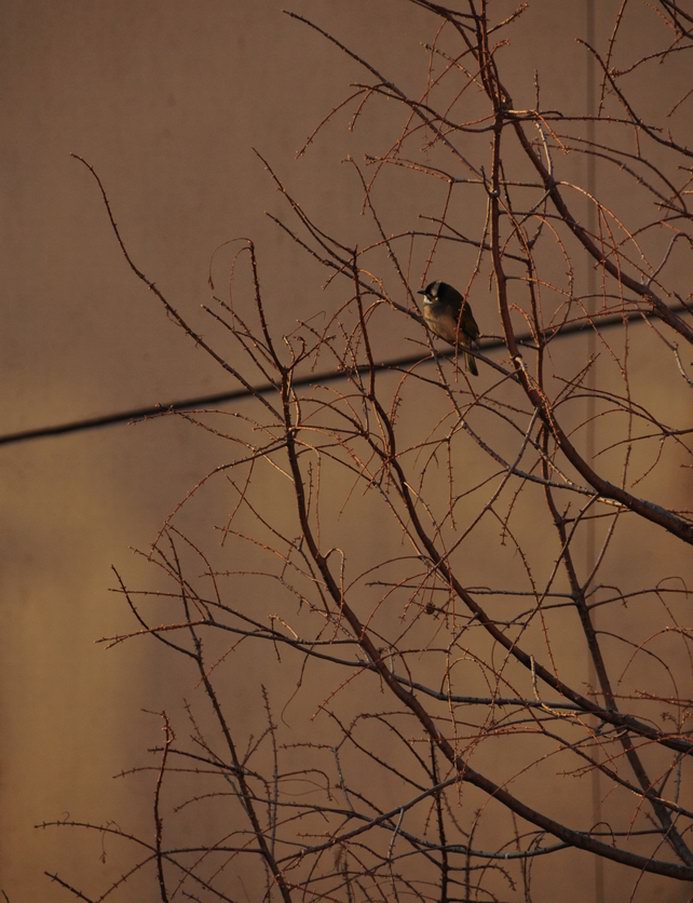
pixel 470 364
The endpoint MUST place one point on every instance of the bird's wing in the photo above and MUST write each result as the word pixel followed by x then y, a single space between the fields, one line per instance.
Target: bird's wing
pixel 470 322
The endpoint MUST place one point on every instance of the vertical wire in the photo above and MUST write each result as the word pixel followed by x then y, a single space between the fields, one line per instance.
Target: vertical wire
pixel 591 281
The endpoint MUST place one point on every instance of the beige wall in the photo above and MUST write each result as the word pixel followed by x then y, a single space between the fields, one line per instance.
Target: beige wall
pixel 166 99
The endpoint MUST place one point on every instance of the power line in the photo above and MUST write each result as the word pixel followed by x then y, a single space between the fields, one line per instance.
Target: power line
pixel 103 420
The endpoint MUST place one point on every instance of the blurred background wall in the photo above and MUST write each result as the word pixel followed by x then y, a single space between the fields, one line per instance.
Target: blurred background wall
pixel 166 99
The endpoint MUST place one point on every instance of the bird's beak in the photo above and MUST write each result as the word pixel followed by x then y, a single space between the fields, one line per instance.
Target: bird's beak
pixel 421 292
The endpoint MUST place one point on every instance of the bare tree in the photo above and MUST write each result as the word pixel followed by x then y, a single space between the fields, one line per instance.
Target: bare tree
pixel 452 743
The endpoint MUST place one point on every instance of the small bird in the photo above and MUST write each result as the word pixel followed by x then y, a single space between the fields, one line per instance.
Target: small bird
pixel 449 316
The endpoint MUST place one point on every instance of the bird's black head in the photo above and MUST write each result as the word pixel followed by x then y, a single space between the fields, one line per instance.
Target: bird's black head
pixel 438 292
pixel 432 291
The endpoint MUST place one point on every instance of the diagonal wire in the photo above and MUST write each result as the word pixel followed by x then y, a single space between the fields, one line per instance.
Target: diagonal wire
pixel 132 414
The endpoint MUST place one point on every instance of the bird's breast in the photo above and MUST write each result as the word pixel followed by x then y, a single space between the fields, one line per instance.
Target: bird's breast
pixel 442 324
